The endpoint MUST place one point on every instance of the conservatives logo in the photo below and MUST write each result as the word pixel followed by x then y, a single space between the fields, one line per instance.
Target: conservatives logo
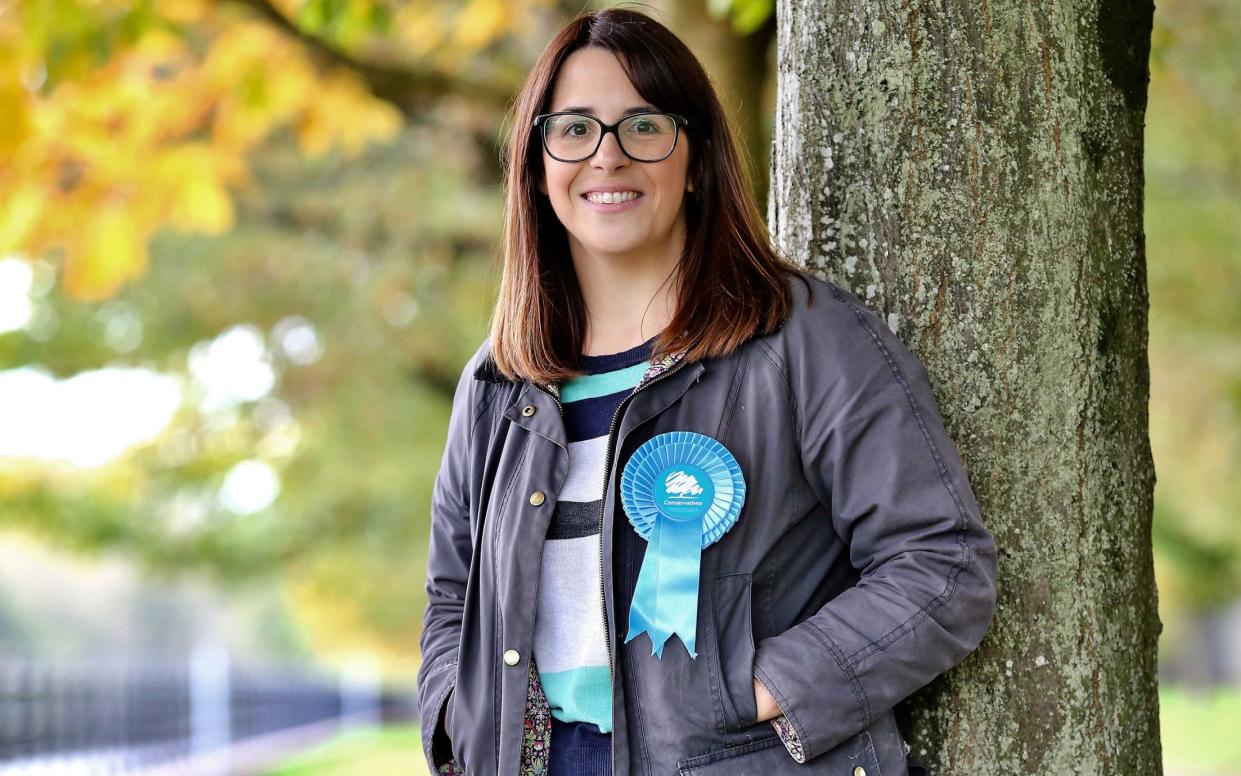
pixel 679 483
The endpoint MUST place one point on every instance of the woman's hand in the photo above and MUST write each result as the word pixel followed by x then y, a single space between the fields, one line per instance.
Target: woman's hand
pixel 767 707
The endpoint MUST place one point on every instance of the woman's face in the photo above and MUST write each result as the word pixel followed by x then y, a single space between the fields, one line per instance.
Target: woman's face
pixel 652 226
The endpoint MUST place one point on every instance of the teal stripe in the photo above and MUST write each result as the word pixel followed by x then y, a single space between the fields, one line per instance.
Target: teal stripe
pixel 590 386
pixel 580 695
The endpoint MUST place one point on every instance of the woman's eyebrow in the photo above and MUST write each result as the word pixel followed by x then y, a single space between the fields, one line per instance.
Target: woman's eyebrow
pixel 588 109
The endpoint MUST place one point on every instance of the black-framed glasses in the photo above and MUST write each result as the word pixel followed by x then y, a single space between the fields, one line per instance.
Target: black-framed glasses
pixel 643 137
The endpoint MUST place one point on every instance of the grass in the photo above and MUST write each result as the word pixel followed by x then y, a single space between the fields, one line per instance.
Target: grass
pixel 373 752
pixel 1200 732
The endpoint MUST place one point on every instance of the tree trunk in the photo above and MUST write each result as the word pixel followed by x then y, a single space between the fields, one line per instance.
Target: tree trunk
pixel 973 171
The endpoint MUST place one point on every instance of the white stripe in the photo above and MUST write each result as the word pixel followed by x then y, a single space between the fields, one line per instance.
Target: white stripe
pixel 568 629
pixel 585 480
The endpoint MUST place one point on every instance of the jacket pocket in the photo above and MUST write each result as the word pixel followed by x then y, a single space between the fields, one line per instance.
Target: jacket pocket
pixel 735 646
pixel 768 757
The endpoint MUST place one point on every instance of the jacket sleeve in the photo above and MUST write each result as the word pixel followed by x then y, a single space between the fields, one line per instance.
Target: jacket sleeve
pixel 875 450
pixel 448 564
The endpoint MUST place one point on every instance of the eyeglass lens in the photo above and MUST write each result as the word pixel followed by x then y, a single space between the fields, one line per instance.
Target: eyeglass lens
pixel 645 136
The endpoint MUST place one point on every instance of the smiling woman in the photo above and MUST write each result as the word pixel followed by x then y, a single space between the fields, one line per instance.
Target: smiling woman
pixel 671 427
pixel 623 173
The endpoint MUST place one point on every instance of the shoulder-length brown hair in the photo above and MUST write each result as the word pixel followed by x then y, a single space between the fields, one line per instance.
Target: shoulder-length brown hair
pixel 739 282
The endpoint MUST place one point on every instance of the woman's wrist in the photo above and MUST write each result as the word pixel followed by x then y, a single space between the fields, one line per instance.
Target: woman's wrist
pixel 765 702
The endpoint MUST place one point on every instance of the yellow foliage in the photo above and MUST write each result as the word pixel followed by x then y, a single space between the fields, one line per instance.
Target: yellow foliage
pixel 260 81
pixel 109 152
pixel 481 22
pixel 183 11
pixel 14 107
pixel 422 29
pixel 345 114
pixel 18 215
pixel 97 162
pixel 110 250
pixel 194 181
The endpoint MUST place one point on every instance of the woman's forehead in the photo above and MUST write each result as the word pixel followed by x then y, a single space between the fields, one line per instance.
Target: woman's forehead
pixel 592 80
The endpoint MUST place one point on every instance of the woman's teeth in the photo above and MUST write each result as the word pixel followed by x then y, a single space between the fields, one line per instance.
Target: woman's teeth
pixel 611 197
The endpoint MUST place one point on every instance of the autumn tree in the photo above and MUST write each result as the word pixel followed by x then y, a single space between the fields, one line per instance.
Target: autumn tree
pixel 314 180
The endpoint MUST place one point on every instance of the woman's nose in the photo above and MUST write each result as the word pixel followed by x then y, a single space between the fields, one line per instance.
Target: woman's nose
pixel 609 154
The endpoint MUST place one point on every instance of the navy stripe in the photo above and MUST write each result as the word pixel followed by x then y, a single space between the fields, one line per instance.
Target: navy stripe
pixel 612 361
pixel 574 519
pixel 590 418
pixel 579 749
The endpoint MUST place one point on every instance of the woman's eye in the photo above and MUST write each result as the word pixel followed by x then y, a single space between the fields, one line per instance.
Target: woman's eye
pixel 645 127
pixel 578 128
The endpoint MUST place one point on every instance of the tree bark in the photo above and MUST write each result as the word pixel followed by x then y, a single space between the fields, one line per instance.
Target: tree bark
pixel 973 171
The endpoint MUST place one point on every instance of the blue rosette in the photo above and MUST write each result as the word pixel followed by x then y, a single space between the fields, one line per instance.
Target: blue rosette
pixel 682 491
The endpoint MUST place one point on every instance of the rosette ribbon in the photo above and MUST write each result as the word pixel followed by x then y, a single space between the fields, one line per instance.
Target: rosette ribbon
pixel 682 491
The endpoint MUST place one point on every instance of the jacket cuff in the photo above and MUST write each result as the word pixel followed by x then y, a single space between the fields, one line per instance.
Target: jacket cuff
pixel 435 741
pixel 822 702
pixel 792 741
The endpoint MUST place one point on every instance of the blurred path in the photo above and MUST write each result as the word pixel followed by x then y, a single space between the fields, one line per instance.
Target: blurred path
pixel 252 756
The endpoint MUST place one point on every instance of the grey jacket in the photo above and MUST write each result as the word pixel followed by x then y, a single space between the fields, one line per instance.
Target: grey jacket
pixel 859 568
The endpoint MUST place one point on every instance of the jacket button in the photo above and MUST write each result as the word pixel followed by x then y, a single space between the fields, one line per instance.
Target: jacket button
pixel 859 771
pixel 527 410
pixel 536 497
pixel 511 657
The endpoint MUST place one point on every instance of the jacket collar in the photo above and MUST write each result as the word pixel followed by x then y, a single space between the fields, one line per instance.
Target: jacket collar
pixel 489 372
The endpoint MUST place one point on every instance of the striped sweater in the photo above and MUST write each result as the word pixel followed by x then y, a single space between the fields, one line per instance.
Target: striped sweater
pixel 569 644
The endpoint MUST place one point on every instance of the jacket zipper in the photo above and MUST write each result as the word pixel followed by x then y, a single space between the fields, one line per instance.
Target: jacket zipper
pixel 607 472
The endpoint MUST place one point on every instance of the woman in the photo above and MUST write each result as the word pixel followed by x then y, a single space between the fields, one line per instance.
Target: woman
pixel 574 628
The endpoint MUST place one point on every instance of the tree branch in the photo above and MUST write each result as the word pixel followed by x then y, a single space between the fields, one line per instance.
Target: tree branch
pixel 411 90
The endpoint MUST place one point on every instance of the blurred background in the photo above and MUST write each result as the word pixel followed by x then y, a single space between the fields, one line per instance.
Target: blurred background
pixel 245 248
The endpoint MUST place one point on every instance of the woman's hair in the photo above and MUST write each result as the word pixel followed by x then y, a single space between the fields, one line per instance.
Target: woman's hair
pixel 730 283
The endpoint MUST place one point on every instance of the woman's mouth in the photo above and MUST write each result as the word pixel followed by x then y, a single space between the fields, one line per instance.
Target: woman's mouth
pixel 612 201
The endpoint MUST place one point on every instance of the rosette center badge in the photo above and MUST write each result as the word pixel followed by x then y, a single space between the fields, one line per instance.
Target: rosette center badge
pixel 685 492
pixel 681 491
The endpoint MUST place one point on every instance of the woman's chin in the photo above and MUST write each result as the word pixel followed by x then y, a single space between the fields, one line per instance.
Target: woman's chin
pixel 616 248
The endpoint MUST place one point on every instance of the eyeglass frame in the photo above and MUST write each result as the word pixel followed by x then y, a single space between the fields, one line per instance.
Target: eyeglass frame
pixel 678 121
